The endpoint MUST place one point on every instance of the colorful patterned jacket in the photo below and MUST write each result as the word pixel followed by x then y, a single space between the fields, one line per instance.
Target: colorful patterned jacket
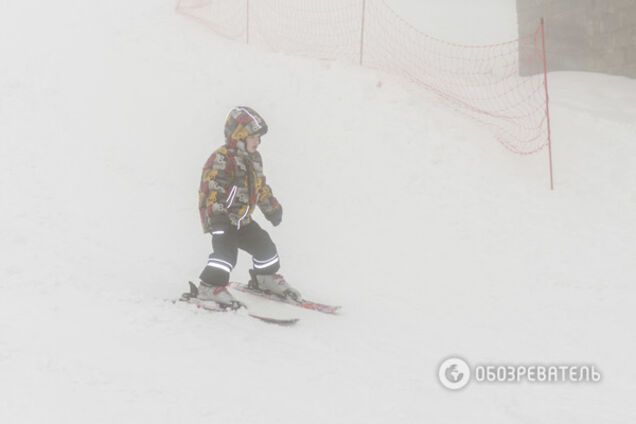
pixel 232 185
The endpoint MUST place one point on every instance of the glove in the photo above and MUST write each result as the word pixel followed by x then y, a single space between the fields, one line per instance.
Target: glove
pixel 277 216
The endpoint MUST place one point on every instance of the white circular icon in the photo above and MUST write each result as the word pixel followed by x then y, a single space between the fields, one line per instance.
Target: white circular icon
pixel 454 373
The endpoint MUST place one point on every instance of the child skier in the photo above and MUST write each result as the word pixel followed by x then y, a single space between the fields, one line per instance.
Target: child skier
pixel 232 184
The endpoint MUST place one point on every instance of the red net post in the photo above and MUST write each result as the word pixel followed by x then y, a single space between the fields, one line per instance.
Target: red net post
pixel 247 21
pixel 547 102
pixel 364 9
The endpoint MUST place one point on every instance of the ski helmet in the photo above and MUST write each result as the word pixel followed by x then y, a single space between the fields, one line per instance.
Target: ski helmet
pixel 243 121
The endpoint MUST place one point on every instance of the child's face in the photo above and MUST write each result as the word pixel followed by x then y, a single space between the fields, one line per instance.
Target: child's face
pixel 252 142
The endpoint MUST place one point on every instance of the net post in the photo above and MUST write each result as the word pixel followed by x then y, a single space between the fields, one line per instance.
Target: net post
pixel 547 102
pixel 364 7
pixel 247 21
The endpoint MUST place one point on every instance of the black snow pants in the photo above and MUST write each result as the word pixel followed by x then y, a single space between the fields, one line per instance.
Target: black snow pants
pixel 252 239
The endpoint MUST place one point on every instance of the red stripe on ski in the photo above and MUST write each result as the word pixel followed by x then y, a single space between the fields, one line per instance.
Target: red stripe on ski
pixel 305 304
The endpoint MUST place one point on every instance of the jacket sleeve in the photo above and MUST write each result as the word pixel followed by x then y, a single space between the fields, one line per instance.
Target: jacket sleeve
pixel 267 203
pixel 216 182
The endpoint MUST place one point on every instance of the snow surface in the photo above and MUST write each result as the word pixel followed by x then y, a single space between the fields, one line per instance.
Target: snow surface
pixel 461 21
pixel 435 238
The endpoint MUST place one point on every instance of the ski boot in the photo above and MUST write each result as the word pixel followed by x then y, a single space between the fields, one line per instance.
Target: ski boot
pixel 219 295
pixel 273 284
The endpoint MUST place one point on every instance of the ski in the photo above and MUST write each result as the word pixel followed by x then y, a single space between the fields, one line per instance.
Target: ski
pixel 191 298
pixel 305 304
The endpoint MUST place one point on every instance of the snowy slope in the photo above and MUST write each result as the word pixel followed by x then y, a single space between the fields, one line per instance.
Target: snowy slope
pixel 435 239
pixel 459 21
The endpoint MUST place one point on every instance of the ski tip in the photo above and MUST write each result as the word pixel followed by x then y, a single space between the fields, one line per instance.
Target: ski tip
pixel 282 322
pixel 319 307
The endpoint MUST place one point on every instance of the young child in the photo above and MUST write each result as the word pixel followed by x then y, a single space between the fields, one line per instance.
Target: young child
pixel 232 185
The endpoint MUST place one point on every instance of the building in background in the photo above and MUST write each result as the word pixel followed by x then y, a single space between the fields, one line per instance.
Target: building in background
pixel 581 35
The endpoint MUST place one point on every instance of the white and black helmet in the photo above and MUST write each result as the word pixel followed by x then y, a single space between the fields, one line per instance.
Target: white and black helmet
pixel 243 121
